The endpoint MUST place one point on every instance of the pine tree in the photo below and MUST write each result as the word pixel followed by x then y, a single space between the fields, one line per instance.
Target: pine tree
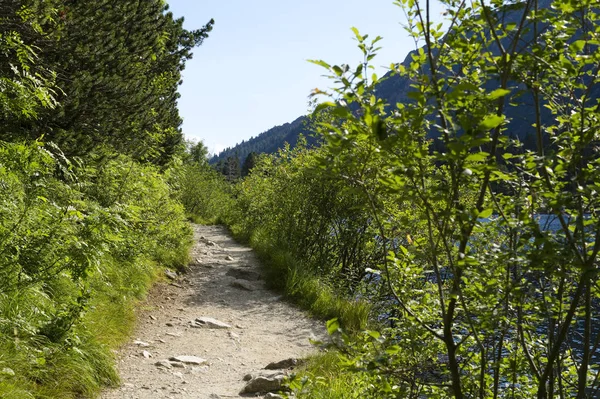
pixel 249 163
pixel 118 67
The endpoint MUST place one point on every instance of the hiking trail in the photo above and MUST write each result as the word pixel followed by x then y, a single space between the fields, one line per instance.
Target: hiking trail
pixel 201 334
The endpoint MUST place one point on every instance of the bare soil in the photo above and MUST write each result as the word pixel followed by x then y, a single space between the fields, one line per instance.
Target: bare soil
pixel 264 328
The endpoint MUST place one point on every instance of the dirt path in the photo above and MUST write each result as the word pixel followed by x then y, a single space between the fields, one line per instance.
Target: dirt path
pixel 263 328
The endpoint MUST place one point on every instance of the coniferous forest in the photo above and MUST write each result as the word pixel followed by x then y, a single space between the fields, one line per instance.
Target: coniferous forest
pixel 450 253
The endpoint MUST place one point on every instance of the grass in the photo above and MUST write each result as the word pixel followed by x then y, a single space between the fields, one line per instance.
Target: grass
pixel 38 368
pixel 322 377
pixel 287 274
pixel 283 272
pixel 31 366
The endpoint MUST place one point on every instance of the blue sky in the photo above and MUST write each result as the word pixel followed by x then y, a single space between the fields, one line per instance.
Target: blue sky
pixel 252 72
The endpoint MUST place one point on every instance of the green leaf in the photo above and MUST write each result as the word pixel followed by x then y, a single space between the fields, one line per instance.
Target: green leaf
pixel 374 334
pixel 494 95
pixel 577 45
pixel 477 157
pixel 321 63
pixel 486 213
pixel 332 326
pixel 359 37
pixel 491 122
pixel 341 112
pixel 324 105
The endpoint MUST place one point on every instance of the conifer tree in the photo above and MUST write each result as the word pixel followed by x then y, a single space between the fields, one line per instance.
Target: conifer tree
pixel 118 67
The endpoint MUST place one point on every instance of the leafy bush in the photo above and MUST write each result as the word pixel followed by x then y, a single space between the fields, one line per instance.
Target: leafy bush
pixel 434 211
pixel 500 304
pixel 310 229
pixel 204 193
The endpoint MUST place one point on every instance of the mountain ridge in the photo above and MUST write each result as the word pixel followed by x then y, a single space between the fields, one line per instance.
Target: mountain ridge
pixel 394 89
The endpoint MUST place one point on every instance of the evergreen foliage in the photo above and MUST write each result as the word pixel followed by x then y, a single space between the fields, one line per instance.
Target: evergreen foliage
pixel 203 191
pixel 249 163
pixel 271 141
pixel 230 168
pixel 117 69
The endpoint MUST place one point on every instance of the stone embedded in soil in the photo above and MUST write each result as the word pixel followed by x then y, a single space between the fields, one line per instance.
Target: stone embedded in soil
pixel 271 395
pixel 229 257
pixel 247 377
pixel 245 285
pixel 209 322
pixel 234 345
pixel 263 384
pixel 164 363
pixel 282 364
pixel 189 360
pixel 141 343
pixel 146 354
pixel 242 274
pixel 170 274
pixel 211 244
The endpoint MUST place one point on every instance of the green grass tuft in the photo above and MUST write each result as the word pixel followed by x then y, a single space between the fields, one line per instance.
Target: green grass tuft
pixel 322 377
pixel 284 273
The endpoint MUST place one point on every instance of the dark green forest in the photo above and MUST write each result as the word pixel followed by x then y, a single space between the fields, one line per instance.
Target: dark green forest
pixel 444 228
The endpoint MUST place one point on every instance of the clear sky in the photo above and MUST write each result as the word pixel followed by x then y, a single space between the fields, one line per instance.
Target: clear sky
pixel 252 72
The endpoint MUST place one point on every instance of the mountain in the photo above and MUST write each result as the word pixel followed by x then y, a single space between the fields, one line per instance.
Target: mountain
pixel 270 141
pixel 394 89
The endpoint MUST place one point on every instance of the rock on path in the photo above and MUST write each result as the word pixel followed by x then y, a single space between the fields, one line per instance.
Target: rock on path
pixel 216 325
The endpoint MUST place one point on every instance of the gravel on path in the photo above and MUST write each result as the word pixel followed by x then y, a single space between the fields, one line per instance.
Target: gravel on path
pixel 201 334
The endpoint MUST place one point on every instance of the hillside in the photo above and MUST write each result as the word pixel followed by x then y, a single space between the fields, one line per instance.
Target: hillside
pixel 269 141
pixel 394 89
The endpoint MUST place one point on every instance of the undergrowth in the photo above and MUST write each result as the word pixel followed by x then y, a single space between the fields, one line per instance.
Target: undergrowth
pixel 322 377
pixel 80 244
pixel 285 273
